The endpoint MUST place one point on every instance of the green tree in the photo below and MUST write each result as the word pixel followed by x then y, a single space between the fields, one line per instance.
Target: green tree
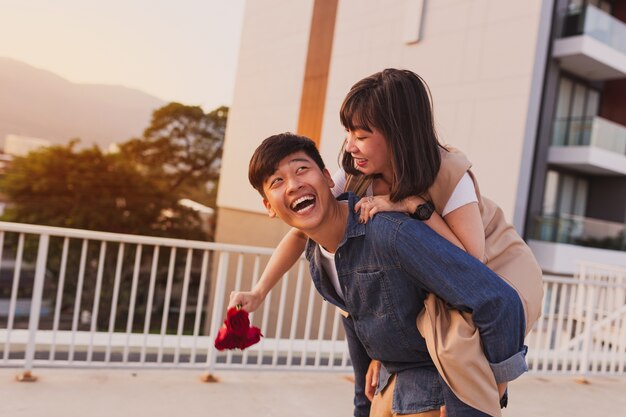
pixel 87 189
pixel 182 148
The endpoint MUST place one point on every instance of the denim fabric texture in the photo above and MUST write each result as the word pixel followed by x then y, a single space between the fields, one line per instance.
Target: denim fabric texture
pixel 386 268
pixel 417 390
pixel 360 363
pixel 457 408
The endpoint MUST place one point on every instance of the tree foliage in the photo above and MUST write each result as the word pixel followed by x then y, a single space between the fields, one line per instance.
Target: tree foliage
pixel 135 190
pixel 182 147
pixel 87 189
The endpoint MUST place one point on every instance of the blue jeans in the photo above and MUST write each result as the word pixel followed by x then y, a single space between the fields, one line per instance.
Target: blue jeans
pixel 360 363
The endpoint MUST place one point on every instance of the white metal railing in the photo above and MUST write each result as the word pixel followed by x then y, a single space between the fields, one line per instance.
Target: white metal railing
pixel 583 327
pixel 117 300
pixel 132 301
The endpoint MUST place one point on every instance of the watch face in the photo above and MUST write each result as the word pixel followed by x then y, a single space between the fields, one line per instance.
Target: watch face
pixel 423 211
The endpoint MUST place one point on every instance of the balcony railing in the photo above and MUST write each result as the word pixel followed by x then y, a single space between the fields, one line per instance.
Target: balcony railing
pixel 77 298
pixel 111 300
pixel 592 131
pixel 598 24
pixel 581 231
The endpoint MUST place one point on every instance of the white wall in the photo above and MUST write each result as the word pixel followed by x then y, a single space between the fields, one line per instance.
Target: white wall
pixel 268 89
pixel 477 57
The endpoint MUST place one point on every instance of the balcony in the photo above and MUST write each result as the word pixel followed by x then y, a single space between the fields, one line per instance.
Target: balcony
pixel 582 231
pixel 561 242
pixel 593 45
pixel 589 144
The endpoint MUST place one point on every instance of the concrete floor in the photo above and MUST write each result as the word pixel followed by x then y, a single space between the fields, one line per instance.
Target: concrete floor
pixel 124 393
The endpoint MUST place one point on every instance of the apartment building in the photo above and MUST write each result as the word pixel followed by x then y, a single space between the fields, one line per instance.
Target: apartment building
pixel 534 92
pixel 577 202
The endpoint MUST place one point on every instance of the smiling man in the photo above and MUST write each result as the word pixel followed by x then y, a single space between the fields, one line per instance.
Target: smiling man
pixel 380 273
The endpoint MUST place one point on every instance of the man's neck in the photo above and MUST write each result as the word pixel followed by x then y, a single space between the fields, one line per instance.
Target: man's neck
pixel 331 232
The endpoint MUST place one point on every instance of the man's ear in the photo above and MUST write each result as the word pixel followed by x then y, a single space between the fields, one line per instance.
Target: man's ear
pixel 329 178
pixel 268 207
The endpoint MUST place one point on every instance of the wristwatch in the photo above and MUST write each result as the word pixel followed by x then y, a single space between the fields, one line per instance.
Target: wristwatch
pixel 423 211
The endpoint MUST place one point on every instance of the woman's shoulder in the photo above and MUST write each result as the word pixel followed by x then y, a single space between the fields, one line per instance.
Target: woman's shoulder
pixel 454 164
pixel 453 159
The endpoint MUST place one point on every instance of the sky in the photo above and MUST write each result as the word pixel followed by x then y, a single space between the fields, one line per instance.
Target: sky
pixel 183 50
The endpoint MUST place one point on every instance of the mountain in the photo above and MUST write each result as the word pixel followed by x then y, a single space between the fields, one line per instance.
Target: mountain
pixel 38 103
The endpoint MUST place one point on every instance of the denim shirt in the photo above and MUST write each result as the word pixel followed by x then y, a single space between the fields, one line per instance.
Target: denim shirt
pixel 386 268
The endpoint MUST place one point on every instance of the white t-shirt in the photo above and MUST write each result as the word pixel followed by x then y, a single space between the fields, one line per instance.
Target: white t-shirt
pixel 464 192
pixel 328 263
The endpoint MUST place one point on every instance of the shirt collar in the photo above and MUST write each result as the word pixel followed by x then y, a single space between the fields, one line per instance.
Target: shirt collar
pixel 353 227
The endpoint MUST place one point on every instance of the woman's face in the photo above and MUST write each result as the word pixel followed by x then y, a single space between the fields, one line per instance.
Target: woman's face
pixel 369 151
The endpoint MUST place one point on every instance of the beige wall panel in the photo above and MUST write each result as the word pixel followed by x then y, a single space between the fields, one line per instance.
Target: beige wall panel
pixel 477 58
pixel 267 91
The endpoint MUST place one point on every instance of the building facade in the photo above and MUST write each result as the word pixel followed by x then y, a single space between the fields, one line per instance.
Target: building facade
pixel 531 91
pixel 577 200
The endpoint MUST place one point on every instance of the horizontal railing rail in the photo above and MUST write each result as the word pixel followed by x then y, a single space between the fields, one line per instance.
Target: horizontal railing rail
pixel 136 301
pixel 121 301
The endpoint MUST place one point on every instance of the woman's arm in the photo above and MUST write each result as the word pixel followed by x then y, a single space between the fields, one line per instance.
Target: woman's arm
pixel 463 227
pixel 284 257
pixel 466 224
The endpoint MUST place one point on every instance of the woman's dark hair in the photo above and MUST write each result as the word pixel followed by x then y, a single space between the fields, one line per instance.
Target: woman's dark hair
pixel 397 104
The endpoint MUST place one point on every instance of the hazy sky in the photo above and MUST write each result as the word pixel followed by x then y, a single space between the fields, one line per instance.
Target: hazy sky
pixel 183 50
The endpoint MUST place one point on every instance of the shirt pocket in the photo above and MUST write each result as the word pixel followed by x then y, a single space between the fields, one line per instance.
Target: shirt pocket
pixel 374 293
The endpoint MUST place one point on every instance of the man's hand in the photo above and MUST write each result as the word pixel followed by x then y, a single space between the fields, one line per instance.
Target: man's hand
pixel 249 300
pixel 371 379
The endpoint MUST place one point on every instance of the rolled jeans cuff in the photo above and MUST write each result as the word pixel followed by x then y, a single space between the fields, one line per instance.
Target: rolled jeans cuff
pixel 510 368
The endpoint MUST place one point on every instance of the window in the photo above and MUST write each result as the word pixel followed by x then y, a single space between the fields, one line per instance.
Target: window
pixel 577 105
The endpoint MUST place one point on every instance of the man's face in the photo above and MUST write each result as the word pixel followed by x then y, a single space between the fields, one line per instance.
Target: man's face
pixel 298 192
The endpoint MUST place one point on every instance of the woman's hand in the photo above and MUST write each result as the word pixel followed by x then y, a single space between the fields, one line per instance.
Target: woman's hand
pixel 371 379
pixel 375 204
pixel 249 300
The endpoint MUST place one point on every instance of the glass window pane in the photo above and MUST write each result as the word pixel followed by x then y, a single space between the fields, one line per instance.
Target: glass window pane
pixel 567 194
pixel 565 93
pixel 550 193
pixel 580 204
pixel 593 103
pixel 559 133
pixel 576 125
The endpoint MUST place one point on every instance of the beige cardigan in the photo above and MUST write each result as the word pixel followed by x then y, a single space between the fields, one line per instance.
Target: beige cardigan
pixel 452 339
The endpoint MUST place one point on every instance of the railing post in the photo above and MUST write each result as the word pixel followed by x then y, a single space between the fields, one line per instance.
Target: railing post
pixel 588 332
pixel 216 314
pixel 35 308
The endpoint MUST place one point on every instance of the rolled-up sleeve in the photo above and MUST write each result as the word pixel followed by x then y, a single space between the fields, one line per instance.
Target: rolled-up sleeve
pixel 511 368
pixel 468 285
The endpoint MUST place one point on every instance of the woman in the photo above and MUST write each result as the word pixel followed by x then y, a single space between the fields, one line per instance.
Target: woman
pixel 391 155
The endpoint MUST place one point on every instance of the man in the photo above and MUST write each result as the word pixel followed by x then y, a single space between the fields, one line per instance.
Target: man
pixel 381 272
